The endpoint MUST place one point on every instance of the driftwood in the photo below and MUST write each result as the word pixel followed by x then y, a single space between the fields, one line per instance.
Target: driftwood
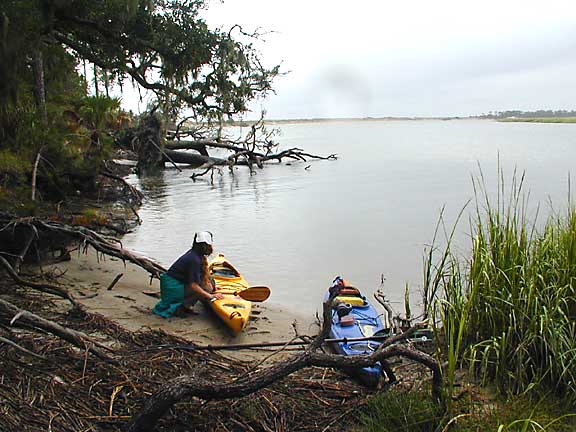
pixel 381 298
pixel 98 242
pixel 14 316
pixel 253 149
pixel 239 156
pixel 251 158
pixel 50 289
pixel 185 387
pixel 85 235
pixel 19 348
pixel 192 159
pixel 114 282
pixel 198 145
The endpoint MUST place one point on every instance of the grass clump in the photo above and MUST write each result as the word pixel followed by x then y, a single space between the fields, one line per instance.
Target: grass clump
pixel 474 410
pixel 509 310
pixel 400 411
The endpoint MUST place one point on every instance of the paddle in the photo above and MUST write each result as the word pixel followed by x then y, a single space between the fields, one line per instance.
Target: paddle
pixel 254 293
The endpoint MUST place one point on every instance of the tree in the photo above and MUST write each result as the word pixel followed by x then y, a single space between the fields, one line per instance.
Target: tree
pixel 163 46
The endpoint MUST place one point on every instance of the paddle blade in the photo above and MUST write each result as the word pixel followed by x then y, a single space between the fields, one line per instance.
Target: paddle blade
pixel 255 293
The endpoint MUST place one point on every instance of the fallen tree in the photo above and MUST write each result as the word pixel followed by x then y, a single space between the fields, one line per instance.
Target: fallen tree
pixel 55 235
pixel 154 144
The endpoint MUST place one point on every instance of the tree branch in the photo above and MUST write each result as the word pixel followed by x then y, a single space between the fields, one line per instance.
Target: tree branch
pixel 50 289
pixel 14 316
pixel 193 386
pixel 20 348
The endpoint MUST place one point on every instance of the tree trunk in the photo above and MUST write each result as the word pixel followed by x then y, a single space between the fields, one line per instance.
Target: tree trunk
pixel 106 82
pixel 199 146
pixel 14 316
pixel 150 145
pixel 50 289
pixel 40 85
pixel 96 89
pixel 85 77
pixel 192 159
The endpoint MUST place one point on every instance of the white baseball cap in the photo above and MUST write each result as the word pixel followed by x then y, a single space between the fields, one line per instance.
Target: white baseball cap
pixel 203 237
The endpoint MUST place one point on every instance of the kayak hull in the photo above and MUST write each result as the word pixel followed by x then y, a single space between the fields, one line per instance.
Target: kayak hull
pixel 365 322
pixel 232 310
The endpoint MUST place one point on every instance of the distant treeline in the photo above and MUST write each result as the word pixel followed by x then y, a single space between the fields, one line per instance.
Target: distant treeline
pixel 529 114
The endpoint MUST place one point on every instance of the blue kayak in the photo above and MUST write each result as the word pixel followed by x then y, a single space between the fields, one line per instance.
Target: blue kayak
pixel 354 317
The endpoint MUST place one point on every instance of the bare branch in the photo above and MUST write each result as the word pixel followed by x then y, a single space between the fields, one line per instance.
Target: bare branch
pixel 14 316
pixel 18 347
pixel 50 289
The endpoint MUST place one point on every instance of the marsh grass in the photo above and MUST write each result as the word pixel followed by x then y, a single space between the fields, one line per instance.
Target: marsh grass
pixel 509 310
pixel 399 410
pixel 506 312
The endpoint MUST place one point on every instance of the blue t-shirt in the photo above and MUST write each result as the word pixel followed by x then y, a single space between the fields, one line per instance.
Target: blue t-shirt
pixel 187 268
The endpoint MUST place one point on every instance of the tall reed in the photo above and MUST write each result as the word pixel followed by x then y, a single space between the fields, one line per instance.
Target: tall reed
pixel 509 309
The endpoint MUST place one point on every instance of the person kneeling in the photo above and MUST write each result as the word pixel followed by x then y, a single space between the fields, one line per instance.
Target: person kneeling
pixel 187 280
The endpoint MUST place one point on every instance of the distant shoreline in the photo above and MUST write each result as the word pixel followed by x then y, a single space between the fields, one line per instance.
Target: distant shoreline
pixel 355 119
pixel 538 120
pixel 385 119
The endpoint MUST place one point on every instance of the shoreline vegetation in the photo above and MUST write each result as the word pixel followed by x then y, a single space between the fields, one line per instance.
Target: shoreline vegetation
pixel 539 120
pixel 539 116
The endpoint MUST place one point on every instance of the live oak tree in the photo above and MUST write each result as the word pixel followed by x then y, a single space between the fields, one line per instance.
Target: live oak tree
pixel 165 47
pixel 161 46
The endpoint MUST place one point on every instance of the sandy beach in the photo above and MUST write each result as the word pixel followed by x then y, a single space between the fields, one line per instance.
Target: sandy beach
pixel 88 276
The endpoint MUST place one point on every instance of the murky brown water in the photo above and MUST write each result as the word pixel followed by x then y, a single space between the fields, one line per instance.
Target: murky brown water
pixel 370 213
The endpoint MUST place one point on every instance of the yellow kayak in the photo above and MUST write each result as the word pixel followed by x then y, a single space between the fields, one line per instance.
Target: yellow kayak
pixel 232 309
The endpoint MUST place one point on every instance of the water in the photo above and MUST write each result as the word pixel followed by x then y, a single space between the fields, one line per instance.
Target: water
pixel 370 213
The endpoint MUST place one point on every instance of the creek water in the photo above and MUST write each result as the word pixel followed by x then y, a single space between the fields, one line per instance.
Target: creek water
pixel 373 212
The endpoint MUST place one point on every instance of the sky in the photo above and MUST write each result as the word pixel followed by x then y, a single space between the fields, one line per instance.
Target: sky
pixel 370 58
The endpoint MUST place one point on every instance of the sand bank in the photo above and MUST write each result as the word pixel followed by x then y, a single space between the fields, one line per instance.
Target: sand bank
pixel 89 275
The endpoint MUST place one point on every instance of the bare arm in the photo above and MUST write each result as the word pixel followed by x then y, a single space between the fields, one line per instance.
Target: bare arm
pixel 193 289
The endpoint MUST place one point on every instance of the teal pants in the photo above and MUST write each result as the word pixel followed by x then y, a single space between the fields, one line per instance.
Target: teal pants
pixel 171 296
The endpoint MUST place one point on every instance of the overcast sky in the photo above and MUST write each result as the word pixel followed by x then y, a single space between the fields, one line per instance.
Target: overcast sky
pixel 411 58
